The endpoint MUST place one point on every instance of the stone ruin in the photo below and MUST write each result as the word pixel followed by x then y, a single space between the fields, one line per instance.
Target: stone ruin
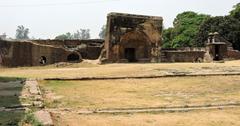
pixel 44 52
pixel 132 38
pixel 129 38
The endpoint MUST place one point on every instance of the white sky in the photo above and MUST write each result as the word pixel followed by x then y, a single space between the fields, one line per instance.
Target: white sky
pixel 49 18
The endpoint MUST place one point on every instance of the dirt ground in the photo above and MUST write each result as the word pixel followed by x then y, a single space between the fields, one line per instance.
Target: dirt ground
pixel 72 96
pixel 230 117
pixel 93 70
pixel 142 93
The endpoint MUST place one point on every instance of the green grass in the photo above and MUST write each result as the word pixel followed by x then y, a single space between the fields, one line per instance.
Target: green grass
pixel 9 92
pixel 8 101
pixel 11 118
pixel 30 119
pixel 18 118
pixel 7 79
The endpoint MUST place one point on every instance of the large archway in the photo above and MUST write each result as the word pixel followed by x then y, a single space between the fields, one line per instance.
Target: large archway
pixel 73 57
pixel 134 46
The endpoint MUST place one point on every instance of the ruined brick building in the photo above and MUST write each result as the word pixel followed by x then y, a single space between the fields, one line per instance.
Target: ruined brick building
pixel 132 38
pixel 44 52
pixel 137 38
pixel 129 38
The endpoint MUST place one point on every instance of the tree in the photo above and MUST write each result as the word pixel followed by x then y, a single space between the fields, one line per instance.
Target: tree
pixel 183 34
pixel 66 36
pixel 235 13
pixel 102 32
pixel 69 35
pixel 81 34
pixel 3 36
pixel 167 37
pixel 22 32
pixel 227 26
pixel 84 34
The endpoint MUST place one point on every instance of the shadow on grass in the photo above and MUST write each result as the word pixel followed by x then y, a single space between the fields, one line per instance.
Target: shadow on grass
pixel 10 91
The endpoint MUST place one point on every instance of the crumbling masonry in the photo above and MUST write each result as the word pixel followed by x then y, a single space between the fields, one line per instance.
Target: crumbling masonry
pixel 132 38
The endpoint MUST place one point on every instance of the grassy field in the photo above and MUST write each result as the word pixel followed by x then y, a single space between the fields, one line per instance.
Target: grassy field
pixel 230 117
pixel 91 70
pixel 135 93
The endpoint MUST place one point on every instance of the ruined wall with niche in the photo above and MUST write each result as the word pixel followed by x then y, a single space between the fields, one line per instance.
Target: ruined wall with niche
pixel 89 49
pixel 132 38
pixel 23 53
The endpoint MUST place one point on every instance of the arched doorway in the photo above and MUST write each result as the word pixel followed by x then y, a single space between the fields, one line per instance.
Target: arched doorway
pixel 134 46
pixel 43 60
pixel 73 57
pixel 130 54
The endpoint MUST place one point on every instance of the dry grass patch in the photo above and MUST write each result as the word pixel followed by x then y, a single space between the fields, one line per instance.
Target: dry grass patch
pixel 229 117
pixel 90 70
pixel 141 93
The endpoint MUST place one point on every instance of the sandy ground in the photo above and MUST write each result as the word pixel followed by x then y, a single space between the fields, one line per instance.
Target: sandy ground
pixel 93 70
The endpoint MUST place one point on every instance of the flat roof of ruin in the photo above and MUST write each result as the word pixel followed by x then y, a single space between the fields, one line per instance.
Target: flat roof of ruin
pixel 115 14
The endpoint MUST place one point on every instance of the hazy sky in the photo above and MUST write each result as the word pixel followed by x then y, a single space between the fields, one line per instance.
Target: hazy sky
pixel 49 18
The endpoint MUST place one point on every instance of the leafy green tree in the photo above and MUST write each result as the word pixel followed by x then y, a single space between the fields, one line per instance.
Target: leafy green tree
pixel 227 26
pixel 22 33
pixel 167 38
pixel 102 32
pixel 235 13
pixel 186 26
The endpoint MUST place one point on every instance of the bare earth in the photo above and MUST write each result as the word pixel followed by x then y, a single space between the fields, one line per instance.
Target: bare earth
pixel 230 117
pixel 92 70
pixel 142 93
pixel 64 99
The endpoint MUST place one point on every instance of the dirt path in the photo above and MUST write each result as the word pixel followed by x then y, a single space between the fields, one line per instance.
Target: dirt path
pixel 148 77
pixel 148 110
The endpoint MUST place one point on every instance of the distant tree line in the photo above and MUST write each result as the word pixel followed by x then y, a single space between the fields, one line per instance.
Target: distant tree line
pixel 81 34
pixel 191 29
pixel 22 33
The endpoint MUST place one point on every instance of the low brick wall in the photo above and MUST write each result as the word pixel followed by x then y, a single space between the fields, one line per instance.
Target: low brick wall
pixel 233 54
pixel 182 56
pixel 89 49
